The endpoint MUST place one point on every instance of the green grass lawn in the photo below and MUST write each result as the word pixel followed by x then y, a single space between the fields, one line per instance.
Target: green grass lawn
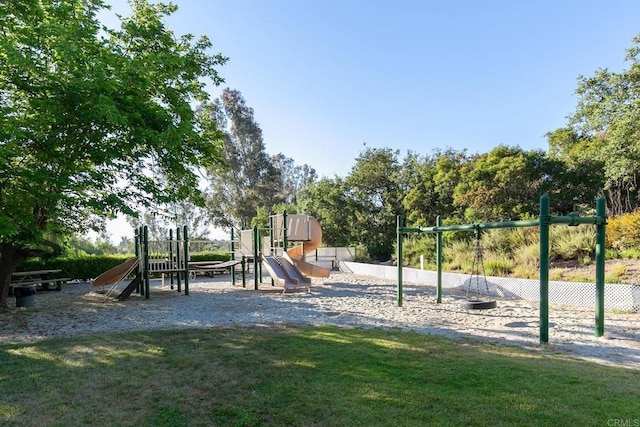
pixel 304 376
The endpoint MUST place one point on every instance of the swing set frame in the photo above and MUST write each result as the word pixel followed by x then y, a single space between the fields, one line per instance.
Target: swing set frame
pixel 544 221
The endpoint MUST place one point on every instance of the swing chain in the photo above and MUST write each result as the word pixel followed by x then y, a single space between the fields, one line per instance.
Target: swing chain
pixel 478 262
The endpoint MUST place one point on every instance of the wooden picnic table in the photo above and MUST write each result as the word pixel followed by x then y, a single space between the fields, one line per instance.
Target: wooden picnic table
pixel 38 277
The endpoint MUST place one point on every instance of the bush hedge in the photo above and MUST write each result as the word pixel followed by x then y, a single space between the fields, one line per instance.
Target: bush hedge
pixel 89 267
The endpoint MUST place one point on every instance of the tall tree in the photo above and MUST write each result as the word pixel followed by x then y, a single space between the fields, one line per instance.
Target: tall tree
pixel 374 186
pixel 85 111
pixel 171 216
pixel 507 183
pixel 428 184
pixel 607 123
pixel 294 177
pixel 499 185
pixel 250 178
pixel 328 201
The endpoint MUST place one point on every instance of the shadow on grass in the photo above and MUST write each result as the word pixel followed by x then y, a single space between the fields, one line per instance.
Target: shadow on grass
pixel 303 376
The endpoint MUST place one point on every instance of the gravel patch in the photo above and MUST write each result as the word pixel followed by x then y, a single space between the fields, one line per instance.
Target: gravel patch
pixel 344 300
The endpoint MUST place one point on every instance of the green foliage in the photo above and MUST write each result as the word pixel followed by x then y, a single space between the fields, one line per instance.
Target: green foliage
pixel 416 245
pixel 605 129
pixel 509 239
pixel 76 246
pixel 375 190
pixel 507 183
pixel 330 202
pixel 459 256
pixel 633 253
pixel 572 242
pixel 83 268
pixel 527 257
pixel 252 179
pixel 85 109
pixel 209 256
pixel 498 264
pixel 361 254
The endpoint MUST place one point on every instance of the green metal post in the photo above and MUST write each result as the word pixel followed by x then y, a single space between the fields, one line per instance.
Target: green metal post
pixel 171 256
pixel 272 240
pixel 140 243
pixel 284 232
pixel 439 261
pixel 146 261
pixel 255 258
pixel 399 257
pixel 244 271
pixel 544 269
pixel 178 238
pixel 185 237
pixel 600 257
pixel 233 257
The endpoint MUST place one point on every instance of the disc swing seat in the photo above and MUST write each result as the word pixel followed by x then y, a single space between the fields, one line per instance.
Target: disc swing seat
pixel 475 300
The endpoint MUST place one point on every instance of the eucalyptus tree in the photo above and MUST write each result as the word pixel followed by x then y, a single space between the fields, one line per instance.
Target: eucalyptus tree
pixel 294 177
pixel 249 179
pixel 87 110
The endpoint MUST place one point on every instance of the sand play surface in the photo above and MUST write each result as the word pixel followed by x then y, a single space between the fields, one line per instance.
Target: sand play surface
pixel 344 300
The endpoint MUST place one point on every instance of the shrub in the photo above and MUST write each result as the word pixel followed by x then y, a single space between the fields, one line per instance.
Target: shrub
pixel 528 256
pixel 623 231
pixel 508 239
pixel 84 268
pixel 617 274
pixel 416 245
pixel 498 265
pixel 572 242
pixel 631 253
pixel 361 254
pixel 89 267
pixel 459 256
pixel 210 256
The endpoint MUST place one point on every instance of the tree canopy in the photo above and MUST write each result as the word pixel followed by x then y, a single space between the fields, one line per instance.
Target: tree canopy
pixel 251 179
pixel 88 114
pixel 605 131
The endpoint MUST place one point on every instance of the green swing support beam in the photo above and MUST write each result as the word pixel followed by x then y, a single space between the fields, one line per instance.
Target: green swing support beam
pixel 544 221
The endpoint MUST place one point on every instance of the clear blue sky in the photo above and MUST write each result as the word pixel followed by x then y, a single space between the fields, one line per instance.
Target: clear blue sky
pixel 325 77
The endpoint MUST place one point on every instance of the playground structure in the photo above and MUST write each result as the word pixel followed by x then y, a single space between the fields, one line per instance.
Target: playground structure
pixel 543 222
pixel 171 258
pixel 287 266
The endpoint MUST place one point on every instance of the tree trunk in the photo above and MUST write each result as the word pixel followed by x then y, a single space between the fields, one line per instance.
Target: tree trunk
pixel 10 257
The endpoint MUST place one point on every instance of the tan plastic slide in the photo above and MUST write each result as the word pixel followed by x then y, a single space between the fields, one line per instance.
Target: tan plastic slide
pixel 116 274
pixel 297 253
